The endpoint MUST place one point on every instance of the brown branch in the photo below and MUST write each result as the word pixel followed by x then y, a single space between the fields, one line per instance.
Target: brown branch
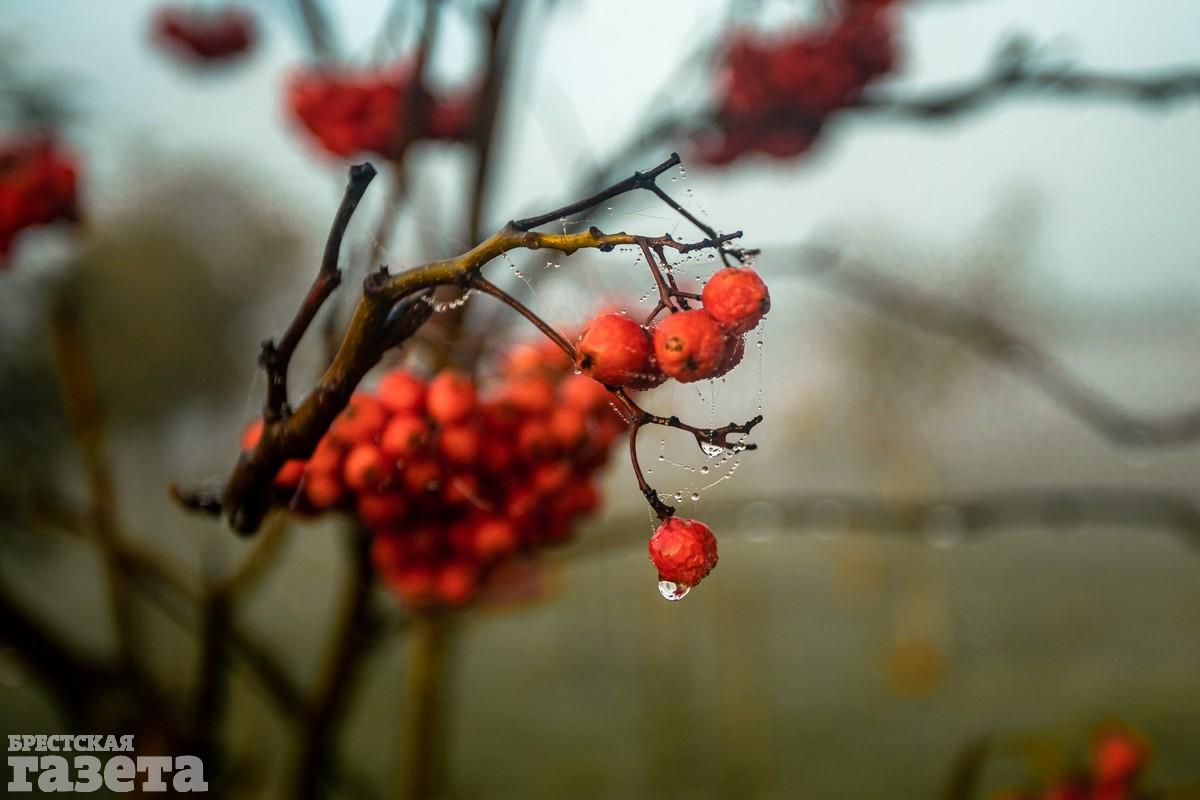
pixel 501 23
pixel 425 707
pixel 75 681
pixel 331 696
pixel 391 309
pixel 77 383
pixel 639 180
pixel 978 331
pixel 317 29
pixel 275 359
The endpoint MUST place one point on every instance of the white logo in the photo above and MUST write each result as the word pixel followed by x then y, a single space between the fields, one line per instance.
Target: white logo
pixel 51 772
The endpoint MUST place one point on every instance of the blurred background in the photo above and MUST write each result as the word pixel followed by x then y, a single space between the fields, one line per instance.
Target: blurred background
pixel 969 534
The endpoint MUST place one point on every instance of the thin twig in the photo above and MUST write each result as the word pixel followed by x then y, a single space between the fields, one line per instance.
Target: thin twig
pixel 275 359
pixel 77 382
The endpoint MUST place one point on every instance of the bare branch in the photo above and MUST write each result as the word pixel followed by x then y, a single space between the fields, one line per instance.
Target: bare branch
pixel 275 359
pixel 978 331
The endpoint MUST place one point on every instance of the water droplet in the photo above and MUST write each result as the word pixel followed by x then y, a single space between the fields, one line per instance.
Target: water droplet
pixel 828 518
pixel 678 496
pixel 943 526
pixel 704 470
pixel 760 520
pixel 695 496
pixel 674 592
pixel 662 458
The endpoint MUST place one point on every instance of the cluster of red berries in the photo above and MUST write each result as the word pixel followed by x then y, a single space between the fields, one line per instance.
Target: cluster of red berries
pixel 688 345
pixel 357 111
pixel 452 483
pixel 777 91
pixel 204 36
pixel 38 181
pixel 692 345
pixel 1118 759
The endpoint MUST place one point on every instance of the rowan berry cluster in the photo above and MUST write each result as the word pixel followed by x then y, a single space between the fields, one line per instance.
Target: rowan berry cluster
pixel 777 91
pixel 690 344
pixel 1117 761
pixel 38 185
pixel 451 482
pixel 204 36
pixel 364 111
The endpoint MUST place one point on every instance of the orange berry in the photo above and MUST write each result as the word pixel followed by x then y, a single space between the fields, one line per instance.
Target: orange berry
pixel 689 345
pixel 451 397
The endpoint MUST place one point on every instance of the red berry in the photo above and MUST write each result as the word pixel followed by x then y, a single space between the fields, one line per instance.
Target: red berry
pixel 381 511
pixel 451 397
pixel 252 435
pixel 683 550
pixel 493 537
pixel 404 435
pixel 689 345
pixel 401 392
pixel 456 582
pixel 737 298
pixel 361 420
pixel 367 469
pixel 422 475
pixel 735 350
pixel 531 395
pixel 291 473
pixel 460 443
pixel 568 427
pixel 327 457
pixel 416 584
pixel 323 490
pixel 583 393
pixel 1117 757
pixel 615 350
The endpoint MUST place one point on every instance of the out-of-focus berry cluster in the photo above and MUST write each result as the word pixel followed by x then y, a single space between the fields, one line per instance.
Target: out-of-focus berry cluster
pixel 776 91
pixel 204 36
pixel 1113 771
pixel 452 482
pixel 38 185
pixel 364 111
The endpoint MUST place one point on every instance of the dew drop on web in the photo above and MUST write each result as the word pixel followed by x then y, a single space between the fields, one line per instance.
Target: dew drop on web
pixel 673 592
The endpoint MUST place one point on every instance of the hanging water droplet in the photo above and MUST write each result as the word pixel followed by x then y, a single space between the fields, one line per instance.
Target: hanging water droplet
pixel 695 496
pixel 704 470
pixel 662 458
pixel 674 592
pixel 678 496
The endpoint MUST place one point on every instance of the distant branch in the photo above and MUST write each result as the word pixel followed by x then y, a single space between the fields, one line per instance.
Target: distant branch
pixel 978 331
